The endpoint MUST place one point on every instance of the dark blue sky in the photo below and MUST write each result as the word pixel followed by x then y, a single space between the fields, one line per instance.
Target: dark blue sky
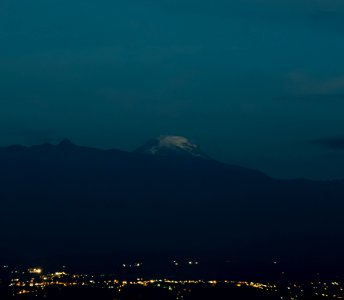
pixel 254 82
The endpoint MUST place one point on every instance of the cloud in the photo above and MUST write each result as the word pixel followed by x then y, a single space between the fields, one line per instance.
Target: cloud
pixel 335 143
pixel 336 99
pixel 304 84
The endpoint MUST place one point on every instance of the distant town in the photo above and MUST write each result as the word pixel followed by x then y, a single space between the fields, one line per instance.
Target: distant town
pixel 23 282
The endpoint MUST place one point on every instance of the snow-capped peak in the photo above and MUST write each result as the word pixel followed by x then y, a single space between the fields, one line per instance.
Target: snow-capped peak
pixel 176 141
pixel 167 145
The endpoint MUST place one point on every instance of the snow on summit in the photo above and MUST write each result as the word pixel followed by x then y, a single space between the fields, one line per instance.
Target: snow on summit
pixel 168 145
pixel 176 141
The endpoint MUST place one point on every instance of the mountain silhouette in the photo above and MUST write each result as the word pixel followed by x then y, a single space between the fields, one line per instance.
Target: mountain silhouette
pixel 64 198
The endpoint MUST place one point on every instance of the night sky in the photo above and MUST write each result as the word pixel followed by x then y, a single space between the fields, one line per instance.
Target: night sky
pixel 253 82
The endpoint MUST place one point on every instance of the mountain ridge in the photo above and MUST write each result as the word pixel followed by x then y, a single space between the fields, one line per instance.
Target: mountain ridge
pixel 121 200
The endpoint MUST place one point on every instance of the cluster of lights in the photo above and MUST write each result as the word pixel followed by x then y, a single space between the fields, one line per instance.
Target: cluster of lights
pixel 135 265
pixel 34 280
pixel 35 270
pixel 176 263
pixel 331 290
pixel 257 285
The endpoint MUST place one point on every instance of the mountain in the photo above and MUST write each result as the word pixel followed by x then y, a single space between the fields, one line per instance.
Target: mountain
pixel 68 198
pixel 171 145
